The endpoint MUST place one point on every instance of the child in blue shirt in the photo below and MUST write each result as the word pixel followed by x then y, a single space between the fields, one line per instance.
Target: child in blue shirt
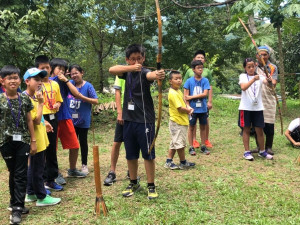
pixel 81 110
pixel 195 92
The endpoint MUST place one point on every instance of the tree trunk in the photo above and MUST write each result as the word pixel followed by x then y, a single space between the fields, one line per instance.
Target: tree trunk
pixel 281 69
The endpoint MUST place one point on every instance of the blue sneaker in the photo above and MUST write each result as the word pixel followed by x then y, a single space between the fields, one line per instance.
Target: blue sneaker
pixel 265 155
pixel 53 186
pixel 248 156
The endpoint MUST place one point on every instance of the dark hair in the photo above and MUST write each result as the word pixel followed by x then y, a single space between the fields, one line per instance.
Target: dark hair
pixel 133 49
pixel 248 60
pixel 58 62
pixel 8 70
pixel 200 52
pixel 196 63
pixel 173 73
pixel 41 59
pixel 77 67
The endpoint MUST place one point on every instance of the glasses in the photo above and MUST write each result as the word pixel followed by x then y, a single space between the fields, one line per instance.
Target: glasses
pixel 11 78
pixel 136 59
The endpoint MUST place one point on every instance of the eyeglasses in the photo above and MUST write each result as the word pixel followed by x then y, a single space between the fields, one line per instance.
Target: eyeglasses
pixel 136 59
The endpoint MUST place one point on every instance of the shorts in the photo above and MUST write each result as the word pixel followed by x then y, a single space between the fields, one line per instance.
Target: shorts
pixel 67 134
pixel 118 133
pixel 248 118
pixel 178 135
pixel 202 118
pixel 136 140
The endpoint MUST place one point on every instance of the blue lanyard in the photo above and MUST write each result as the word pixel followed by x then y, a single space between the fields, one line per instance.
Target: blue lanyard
pixel 17 120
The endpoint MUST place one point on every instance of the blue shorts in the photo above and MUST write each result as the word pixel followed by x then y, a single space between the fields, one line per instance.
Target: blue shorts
pixel 202 118
pixel 136 140
pixel 251 118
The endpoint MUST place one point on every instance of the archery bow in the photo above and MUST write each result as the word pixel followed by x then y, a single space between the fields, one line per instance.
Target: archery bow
pixel 266 72
pixel 158 67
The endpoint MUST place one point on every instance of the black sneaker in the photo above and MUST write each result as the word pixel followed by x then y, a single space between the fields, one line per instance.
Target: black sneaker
pixel 16 215
pixel 192 151
pixel 110 179
pixel 24 211
pixel 204 150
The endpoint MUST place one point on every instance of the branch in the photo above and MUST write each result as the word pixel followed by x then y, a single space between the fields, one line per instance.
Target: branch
pixel 204 5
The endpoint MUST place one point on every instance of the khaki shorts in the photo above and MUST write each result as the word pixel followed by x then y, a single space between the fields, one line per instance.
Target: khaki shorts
pixel 178 135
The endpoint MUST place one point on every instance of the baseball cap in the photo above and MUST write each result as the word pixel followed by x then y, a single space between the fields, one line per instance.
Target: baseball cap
pixel 32 72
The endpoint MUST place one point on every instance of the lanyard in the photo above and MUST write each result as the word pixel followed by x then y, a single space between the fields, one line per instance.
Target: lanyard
pixel 50 102
pixel 17 120
pixel 254 86
pixel 32 97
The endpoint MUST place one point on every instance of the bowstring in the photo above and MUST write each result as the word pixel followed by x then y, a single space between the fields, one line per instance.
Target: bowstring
pixel 144 112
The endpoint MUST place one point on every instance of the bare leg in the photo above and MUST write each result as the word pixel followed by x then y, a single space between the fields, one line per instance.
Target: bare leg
pixel 73 155
pixel 132 167
pixel 194 133
pixel 150 168
pixel 181 154
pixel 114 156
pixel 246 137
pixel 207 130
pixel 190 134
pixel 260 138
pixel 171 153
pixel 202 134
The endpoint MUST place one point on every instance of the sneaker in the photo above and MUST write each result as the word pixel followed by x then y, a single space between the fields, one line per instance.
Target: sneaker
pixel 187 165
pixel 48 192
pixel 204 150
pixel 75 173
pixel 192 151
pixel 24 211
pixel 16 215
pixel 53 186
pixel 208 144
pixel 48 200
pixel 248 156
pixel 60 179
pixel 110 179
pixel 85 169
pixel 152 194
pixel 129 191
pixel 196 144
pixel 30 198
pixel 171 165
pixel 265 155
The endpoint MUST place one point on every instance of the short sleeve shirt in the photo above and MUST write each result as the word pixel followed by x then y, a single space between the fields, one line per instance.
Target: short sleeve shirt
pixel 137 92
pixel 196 87
pixel 252 94
pixel 175 98
pixel 64 112
pixel 81 108
pixel 40 132
pixel 52 95
pixel 120 85
pixel 8 122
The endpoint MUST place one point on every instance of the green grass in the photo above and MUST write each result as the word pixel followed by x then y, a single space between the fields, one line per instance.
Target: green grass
pixel 222 189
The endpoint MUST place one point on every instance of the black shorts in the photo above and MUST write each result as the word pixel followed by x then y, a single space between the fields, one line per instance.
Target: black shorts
pixel 136 140
pixel 251 118
pixel 202 118
pixel 118 133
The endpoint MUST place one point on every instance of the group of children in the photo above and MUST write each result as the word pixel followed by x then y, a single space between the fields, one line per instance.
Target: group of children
pixel 52 106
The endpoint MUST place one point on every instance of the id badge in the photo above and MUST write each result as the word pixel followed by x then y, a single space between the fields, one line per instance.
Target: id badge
pixel 17 137
pixel 255 102
pixel 198 104
pixel 75 115
pixel 130 106
pixel 51 116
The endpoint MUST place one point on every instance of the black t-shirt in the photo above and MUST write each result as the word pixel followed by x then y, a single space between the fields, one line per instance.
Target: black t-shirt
pixel 295 134
pixel 141 97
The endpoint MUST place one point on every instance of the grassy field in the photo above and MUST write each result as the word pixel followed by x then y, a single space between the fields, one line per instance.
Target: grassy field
pixel 222 189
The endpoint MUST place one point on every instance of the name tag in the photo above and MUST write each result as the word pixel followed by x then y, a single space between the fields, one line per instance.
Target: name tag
pixel 17 137
pixel 130 106
pixel 198 104
pixel 51 116
pixel 75 115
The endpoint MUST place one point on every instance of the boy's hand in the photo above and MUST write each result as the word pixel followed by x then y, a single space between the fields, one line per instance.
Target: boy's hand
pixel 33 148
pixel 297 144
pixel 49 127
pixel 191 110
pixel 119 119
pixel 136 67
pixel 209 105
pixel 160 74
pixel 40 97
pixel 62 77
pixel 56 106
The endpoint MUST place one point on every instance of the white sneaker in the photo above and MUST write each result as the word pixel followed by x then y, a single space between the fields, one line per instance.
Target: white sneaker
pixel 85 169
pixel 248 156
